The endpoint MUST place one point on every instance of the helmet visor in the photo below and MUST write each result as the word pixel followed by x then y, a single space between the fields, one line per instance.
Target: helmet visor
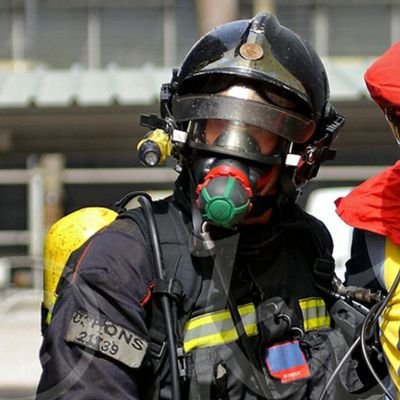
pixel 270 118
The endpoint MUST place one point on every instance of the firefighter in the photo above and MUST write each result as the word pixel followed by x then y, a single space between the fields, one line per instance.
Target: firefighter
pixel 241 308
pixel 373 209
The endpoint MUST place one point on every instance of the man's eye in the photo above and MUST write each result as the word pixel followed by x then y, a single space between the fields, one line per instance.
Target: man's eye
pixel 281 101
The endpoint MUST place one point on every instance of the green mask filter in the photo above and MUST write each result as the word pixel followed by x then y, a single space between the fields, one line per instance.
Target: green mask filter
pixel 224 196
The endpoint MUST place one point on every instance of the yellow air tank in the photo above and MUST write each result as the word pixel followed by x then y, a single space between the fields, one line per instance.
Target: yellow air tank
pixel 65 236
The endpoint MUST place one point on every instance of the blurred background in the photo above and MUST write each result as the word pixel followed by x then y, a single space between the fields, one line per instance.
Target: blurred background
pixel 75 76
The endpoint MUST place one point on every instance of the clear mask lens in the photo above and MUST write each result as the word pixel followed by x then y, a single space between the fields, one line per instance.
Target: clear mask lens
pixel 235 136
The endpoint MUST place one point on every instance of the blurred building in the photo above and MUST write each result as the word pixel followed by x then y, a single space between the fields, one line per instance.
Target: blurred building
pixel 75 75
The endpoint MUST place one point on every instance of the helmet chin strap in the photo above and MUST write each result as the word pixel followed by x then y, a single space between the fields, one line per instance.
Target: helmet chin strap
pixel 287 186
pixel 261 204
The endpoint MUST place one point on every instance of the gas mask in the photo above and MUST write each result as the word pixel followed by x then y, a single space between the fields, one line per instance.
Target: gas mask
pixel 227 168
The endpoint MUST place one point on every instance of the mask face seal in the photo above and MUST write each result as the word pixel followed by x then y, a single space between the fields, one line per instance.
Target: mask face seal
pixel 227 167
pixel 245 135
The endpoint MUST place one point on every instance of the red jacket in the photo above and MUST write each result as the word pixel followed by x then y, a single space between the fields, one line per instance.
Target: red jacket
pixel 375 204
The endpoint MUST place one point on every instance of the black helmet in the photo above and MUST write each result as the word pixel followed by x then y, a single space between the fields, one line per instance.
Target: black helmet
pixel 261 51
pixel 276 63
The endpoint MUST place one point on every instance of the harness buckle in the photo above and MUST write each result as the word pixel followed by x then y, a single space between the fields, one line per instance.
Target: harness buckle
pixel 156 350
pixel 324 269
pixel 171 288
pixel 182 365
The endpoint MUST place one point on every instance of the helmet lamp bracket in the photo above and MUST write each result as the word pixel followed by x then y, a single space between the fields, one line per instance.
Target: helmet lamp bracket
pixel 318 151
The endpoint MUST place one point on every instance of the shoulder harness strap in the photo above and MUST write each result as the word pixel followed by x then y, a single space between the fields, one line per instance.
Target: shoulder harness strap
pixel 179 273
pixel 174 240
pixel 319 259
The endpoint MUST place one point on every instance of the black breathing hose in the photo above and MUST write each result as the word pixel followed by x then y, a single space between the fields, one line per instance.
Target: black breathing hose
pixel 145 202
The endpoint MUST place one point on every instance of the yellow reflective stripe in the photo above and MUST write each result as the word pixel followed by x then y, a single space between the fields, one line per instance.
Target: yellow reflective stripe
pixel 311 302
pixel 218 338
pixel 316 323
pixel 217 328
pixel 217 316
pixel 314 312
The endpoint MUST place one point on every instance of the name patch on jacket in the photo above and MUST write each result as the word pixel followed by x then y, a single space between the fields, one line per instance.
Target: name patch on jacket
pixel 107 338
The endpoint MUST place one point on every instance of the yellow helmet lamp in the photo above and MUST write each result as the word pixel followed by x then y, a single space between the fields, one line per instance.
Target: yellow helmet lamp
pixel 154 148
pixel 65 236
